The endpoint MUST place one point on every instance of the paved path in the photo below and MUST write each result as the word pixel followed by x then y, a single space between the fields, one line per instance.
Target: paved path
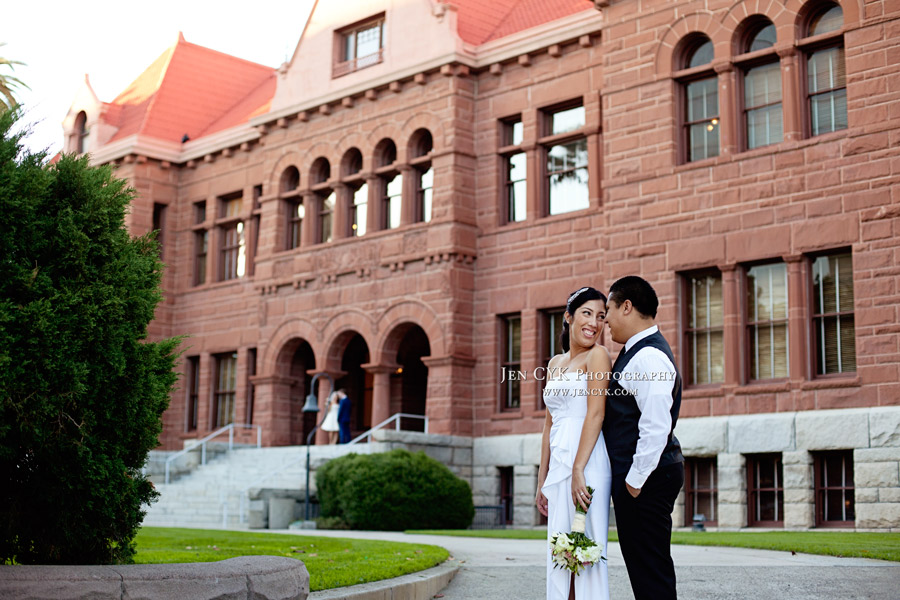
pixel 492 568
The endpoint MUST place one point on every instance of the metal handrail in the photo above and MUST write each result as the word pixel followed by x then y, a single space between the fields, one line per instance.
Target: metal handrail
pixel 201 443
pixel 396 419
pixel 244 494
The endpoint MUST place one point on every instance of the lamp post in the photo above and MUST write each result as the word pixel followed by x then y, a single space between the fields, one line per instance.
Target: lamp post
pixel 312 406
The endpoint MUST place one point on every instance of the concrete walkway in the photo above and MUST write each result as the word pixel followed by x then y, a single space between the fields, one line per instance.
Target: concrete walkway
pixel 492 568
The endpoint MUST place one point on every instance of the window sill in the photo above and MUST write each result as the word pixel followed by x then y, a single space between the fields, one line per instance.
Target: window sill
pixel 702 391
pixel 835 381
pixel 773 387
pixel 513 413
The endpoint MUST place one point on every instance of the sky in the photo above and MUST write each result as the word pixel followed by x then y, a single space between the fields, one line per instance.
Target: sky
pixel 113 42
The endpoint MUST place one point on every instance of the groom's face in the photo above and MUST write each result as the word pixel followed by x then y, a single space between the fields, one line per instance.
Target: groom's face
pixel 615 320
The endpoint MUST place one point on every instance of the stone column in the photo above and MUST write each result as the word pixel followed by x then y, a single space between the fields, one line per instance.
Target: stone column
pixel 340 222
pixel 310 219
pixel 798 344
pixel 679 510
pixel 875 475
pixel 731 334
pixel 205 394
pixel 524 489
pixel 381 391
pixel 530 355
pixel 595 169
pixel 449 401
pixel 732 476
pixel 799 490
pixel 534 184
pixel 408 199
pixel 272 410
pixel 791 102
pixel 373 216
pixel 728 132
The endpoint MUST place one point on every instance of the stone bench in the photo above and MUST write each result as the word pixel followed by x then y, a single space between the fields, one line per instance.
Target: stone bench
pixel 242 578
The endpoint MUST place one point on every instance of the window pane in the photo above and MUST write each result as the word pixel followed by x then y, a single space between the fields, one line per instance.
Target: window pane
pixel 568 177
pixel 705 303
pixel 515 187
pixel 830 20
pixel 704 141
pixel 514 339
pixel 326 230
pixel 702 99
pixel 567 120
pixel 426 183
pixel 702 55
pixel 393 193
pixel 828 112
pixel 825 70
pixel 368 41
pixel 360 208
pixel 762 100
pixel 513 133
pixel 765 38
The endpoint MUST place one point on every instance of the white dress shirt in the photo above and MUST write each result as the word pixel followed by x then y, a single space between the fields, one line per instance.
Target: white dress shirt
pixel 654 400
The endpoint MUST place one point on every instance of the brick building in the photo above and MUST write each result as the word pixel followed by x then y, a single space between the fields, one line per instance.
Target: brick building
pixel 408 201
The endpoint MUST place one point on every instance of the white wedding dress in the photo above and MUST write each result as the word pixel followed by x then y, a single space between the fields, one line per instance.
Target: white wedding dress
pixel 566 399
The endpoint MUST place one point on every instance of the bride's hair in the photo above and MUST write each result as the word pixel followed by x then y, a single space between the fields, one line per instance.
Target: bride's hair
pixel 576 299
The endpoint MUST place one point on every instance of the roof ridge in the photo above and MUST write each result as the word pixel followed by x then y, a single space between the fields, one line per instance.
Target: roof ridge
pixel 162 78
pixel 512 7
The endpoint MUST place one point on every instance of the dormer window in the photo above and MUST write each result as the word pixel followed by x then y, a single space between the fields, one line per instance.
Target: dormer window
pixel 81 133
pixel 359 46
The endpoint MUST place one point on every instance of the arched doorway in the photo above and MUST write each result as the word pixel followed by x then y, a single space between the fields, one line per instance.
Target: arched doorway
pixel 409 385
pixel 302 361
pixel 357 383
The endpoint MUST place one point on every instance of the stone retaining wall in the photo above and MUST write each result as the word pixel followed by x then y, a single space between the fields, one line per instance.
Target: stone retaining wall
pixel 242 578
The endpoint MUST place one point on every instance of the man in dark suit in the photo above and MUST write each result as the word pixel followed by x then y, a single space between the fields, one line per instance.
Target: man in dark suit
pixel 642 406
pixel 344 406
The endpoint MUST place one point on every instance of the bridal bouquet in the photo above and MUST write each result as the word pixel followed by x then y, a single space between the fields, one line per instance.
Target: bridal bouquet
pixel 574 550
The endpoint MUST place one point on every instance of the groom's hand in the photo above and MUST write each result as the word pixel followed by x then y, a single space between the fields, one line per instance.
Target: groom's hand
pixel 633 490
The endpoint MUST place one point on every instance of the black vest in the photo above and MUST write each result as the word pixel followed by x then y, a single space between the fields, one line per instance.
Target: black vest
pixel 620 425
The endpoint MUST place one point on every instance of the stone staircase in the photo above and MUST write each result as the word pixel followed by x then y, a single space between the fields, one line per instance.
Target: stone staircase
pixel 210 494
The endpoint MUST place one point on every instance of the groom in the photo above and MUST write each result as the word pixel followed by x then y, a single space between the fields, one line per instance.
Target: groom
pixel 642 406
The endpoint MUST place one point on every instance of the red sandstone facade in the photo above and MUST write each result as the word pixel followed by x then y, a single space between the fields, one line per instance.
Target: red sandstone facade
pixel 415 318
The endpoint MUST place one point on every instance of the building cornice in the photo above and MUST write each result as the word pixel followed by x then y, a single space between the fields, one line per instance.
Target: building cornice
pixel 508 48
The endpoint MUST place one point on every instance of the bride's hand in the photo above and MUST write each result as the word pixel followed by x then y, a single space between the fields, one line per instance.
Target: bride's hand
pixel 580 495
pixel 541 501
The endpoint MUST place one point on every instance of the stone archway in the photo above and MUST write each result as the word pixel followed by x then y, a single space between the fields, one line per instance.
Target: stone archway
pixel 354 379
pixel 409 383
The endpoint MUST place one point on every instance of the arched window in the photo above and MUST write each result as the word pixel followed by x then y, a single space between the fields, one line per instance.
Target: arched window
pixel 290 180
pixel 826 78
pixel 319 176
pixel 390 183
pixel 420 147
pixel 700 97
pixel 761 77
pixel 357 191
pixel 293 204
pixel 81 133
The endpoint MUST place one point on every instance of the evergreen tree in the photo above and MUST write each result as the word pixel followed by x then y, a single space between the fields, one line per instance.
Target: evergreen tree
pixel 81 391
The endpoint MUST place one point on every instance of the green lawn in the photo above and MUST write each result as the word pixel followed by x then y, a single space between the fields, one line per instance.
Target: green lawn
pixel 885 546
pixel 331 562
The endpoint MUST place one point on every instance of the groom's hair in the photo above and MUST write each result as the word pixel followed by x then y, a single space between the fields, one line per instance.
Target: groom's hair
pixel 639 291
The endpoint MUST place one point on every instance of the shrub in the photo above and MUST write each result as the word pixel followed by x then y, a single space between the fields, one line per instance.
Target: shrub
pixel 81 396
pixel 393 491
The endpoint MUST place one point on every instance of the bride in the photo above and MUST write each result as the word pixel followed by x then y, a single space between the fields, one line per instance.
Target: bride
pixel 573 453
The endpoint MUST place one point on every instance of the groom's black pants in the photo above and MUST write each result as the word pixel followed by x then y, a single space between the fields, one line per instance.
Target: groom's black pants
pixel 644 525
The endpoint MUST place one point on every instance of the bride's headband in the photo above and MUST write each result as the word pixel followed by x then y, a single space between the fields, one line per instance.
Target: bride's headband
pixel 575 295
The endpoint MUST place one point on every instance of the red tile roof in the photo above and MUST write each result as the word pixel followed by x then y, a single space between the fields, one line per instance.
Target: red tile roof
pixel 196 91
pixel 480 21
pixel 191 90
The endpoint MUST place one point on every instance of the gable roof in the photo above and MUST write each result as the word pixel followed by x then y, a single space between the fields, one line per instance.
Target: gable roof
pixel 479 22
pixel 188 90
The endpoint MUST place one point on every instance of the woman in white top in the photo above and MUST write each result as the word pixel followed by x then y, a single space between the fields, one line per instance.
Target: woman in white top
pixel 330 422
pixel 573 452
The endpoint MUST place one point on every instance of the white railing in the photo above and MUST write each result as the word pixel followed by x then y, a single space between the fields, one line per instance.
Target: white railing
pixel 395 419
pixel 245 493
pixel 203 442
